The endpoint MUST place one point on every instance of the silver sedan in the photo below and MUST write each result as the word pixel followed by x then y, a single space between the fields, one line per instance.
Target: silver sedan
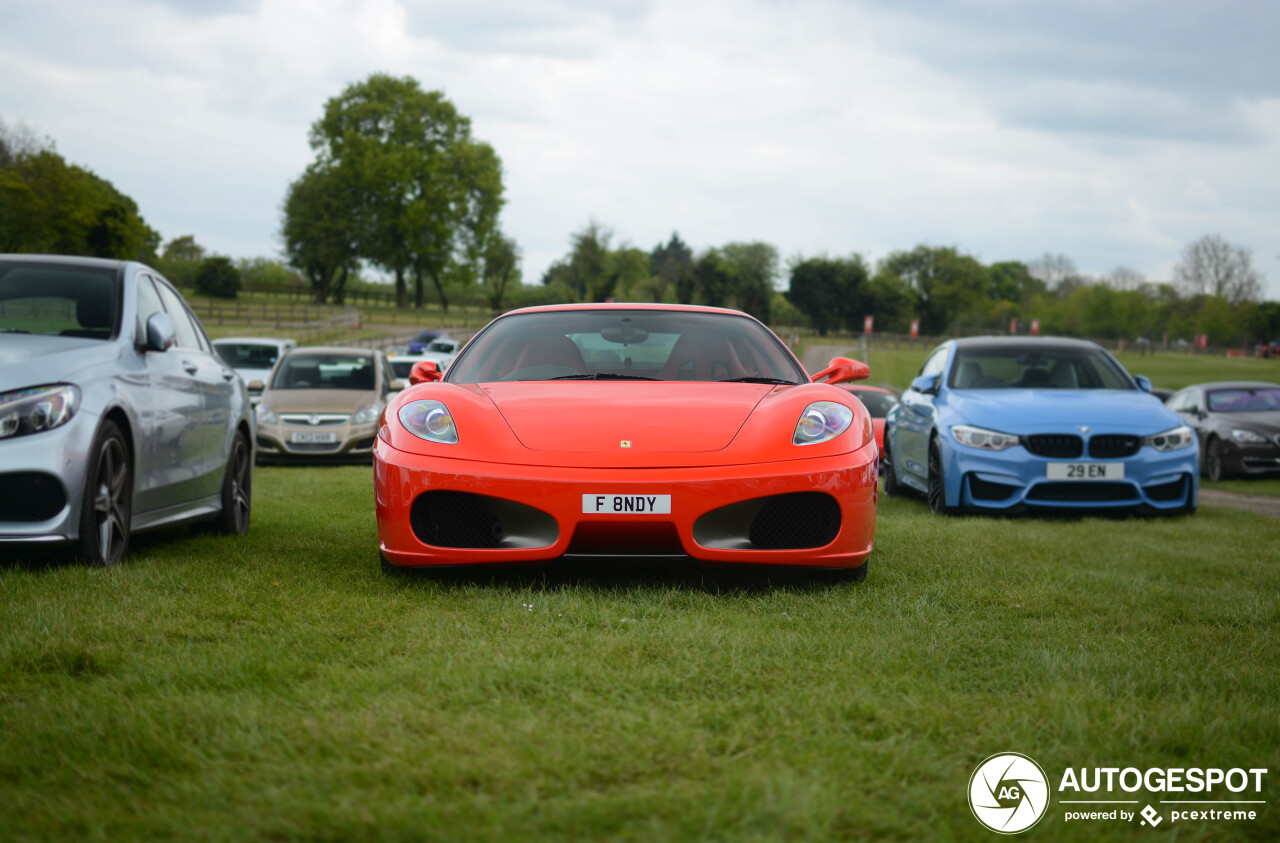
pixel 116 415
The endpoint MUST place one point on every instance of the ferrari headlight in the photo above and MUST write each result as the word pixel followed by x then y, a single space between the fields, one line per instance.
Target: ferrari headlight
pixel 368 414
pixel 1171 440
pixel 429 420
pixel 821 421
pixel 980 437
pixel 1248 437
pixel 37 409
pixel 266 415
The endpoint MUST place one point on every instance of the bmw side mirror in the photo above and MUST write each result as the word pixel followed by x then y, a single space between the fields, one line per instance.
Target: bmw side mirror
pixel 424 371
pixel 1144 383
pixel 842 370
pixel 161 334
pixel 397 385
pixel 255 386
pixel 928 384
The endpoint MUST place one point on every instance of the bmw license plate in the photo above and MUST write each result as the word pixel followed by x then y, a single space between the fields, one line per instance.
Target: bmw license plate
pixel 310 438
pixel 627 504
pixel 1085 471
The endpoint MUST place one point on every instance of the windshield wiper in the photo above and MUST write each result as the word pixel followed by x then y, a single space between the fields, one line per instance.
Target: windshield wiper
pixel 14 331
pixel 601 376
pixel 753 379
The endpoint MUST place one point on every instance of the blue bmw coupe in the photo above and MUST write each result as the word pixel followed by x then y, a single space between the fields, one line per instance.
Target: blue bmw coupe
pixel 1005 424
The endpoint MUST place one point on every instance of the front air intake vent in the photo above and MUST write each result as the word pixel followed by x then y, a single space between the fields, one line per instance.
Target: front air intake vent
pixel 1062 446
pixel 461 519
pixel 795 521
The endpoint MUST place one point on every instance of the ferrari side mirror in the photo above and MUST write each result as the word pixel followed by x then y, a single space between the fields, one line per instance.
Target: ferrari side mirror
pixel 424 371
pixel 842 370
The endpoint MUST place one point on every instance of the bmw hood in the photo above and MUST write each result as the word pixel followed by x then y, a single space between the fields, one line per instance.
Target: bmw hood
pixel 31 359
pixel 601 417
pixel 1024 411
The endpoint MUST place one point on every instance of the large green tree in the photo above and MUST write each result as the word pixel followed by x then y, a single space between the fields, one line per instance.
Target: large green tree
pixel 950 287
pixel 50 206
pixel 424 194
pixel 830 291
pixel 322 229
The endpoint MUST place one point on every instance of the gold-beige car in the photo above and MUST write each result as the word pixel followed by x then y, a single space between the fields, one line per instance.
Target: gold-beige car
pixel 323 404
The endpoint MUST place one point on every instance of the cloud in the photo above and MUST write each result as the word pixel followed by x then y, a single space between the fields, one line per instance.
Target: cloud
pixel 1113 133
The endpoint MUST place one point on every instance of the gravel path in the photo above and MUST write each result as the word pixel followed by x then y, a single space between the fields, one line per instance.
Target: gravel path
pixel 1249 503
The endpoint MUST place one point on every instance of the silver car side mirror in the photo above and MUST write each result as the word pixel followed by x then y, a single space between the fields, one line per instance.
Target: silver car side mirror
pixel 160 332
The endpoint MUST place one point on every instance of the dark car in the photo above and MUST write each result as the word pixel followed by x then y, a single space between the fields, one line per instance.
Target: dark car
pixel 116 415
pixel 1238 424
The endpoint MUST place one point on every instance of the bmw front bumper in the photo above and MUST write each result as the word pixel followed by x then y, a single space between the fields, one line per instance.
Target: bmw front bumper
pixel 1014 480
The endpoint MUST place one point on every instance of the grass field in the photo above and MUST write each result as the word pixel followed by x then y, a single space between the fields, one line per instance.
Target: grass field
pixel 281 687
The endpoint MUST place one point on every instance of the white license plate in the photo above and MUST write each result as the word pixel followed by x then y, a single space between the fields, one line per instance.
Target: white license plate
pixel 1085 471
pixel 627 504
pixel 310 438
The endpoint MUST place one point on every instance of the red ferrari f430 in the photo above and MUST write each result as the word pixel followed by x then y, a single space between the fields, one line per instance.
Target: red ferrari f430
pixel 604 430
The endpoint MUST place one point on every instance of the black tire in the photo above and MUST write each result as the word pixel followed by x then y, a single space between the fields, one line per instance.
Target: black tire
pixel 892 487
pixel 237 489
pixel 937 496
pixel 107 506
pixel 1212 460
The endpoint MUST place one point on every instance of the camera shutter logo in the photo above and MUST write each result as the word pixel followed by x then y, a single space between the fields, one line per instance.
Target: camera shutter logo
pixel 1008 792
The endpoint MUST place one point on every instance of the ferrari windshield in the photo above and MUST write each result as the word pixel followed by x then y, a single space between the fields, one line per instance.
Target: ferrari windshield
pixel 1245 400
pixel 620 344
pixel 1036 366
pixel 67 300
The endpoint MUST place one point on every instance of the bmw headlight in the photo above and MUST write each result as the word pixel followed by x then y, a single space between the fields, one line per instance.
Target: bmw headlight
pixel 980 437
pixel 429 420
pixel 40 408
pixel 1171 440
pixel 266 415
pixel 368 414
pixel 821 421
pixel 1248 437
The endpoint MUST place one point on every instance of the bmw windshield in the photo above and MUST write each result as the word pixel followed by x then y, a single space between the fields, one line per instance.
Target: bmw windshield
pixel 1036 366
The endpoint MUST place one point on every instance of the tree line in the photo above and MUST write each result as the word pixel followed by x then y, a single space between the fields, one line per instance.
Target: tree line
pixel 400 186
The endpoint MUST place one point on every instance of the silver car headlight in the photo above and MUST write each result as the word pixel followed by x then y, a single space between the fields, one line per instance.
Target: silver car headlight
pixel 266 415
pixel 1248 437
pixel 368 414
pixel 429 420
pixel 34 410
pixel 980 437
pixel 821 421
pixel 1171 440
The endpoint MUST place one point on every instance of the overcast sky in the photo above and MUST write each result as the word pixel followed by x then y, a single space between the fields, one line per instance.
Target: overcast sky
pixel 1112 132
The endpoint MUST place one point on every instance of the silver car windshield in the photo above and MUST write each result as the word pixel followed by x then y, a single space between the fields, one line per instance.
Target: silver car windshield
pixel 66 301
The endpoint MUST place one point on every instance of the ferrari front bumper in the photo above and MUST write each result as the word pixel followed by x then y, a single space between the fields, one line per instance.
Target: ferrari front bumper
pixel 705 505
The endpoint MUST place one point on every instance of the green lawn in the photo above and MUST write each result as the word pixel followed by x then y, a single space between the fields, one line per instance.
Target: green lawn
pixel 281 687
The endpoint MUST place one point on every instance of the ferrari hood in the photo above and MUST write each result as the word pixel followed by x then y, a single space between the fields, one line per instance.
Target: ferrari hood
pixel 602 417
